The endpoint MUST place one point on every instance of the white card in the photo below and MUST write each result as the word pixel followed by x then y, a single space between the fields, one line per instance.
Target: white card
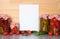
pixel 29 17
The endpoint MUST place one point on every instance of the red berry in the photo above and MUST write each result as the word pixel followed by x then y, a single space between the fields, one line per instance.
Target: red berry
pixel 56 34
pixel 5 33
pixel 50 33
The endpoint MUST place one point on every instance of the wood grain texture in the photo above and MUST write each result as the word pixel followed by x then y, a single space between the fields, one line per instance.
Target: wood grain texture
pixel 11 8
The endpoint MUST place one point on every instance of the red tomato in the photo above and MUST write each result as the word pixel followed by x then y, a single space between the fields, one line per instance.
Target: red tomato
pixel 56 34
pixel 5 33
pixel 50 33
pixel 54 19
pixel 22 32
pixel 11 33
pixel 29 32
pixel 17 33
pixel 52 24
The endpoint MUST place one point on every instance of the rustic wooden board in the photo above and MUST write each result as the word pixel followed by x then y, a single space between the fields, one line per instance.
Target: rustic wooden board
pixel 10 7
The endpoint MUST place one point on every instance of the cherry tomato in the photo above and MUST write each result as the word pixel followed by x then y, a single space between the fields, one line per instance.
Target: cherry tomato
pixel 5 33
pixel 52 24
pixel 17 33
pixel 54 19
pixel 22 32
pixel 11 33
pixel 29 32
pixel 50 33
pixel 56 34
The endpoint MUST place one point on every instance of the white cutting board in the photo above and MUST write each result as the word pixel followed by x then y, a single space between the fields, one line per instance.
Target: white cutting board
pixel 29 17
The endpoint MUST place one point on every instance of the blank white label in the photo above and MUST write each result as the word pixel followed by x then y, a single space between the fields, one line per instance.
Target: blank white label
pixel 29 17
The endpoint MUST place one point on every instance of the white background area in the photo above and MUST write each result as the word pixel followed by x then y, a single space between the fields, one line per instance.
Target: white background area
pixel 29 17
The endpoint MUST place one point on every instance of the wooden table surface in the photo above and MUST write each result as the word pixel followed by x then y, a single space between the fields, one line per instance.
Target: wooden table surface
pixel 11 7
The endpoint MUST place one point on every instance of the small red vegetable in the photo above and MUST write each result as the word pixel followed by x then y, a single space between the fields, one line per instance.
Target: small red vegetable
pixel 54 19
pixel 29 32
pixel 50 33
pixel 52 24
pixel 11 33
pixel 17 33
pixel 5 33
pixel 22 32
pixel 56 34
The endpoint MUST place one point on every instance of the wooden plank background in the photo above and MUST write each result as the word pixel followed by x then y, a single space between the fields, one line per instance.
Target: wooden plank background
pixel 11 7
